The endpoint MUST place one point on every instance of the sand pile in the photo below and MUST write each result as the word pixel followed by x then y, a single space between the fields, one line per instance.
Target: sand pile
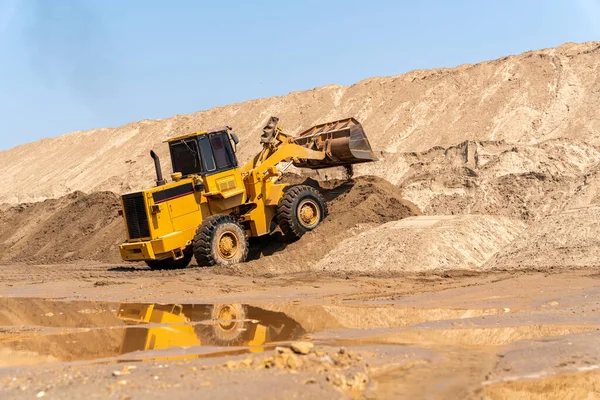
pixel 515 137
pixel 354 207
pixel 362 200
pixel 87 227
pixel 424 243
pixel 567 239
pixel 524 99
pixel 73 227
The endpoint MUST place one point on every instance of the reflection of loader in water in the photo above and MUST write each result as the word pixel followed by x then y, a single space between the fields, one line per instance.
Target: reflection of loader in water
pixel 175 325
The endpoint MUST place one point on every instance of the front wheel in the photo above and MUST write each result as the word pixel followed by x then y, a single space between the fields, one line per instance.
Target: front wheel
pixel 300 210
pixel 220 240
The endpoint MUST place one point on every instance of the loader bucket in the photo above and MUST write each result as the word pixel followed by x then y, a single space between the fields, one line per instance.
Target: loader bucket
pixel 344 143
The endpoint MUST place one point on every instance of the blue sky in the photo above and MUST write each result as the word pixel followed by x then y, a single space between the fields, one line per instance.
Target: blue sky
pixel 70 65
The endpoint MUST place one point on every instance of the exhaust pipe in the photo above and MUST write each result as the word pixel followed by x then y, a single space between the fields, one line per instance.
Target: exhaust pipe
pixel 159 177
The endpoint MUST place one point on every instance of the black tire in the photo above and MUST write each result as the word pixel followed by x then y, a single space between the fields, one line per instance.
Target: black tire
pixel 292 221
pixel 169 263
pixel 216 231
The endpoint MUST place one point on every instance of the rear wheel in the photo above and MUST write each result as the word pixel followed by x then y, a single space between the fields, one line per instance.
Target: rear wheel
pixel 300 210
pixel 220 240
pixel 170 263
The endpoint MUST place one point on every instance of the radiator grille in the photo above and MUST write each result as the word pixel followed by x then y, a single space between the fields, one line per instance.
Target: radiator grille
pixel 135 215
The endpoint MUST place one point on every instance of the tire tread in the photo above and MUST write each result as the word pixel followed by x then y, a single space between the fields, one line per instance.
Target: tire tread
pixel 286 215
pixel 202 243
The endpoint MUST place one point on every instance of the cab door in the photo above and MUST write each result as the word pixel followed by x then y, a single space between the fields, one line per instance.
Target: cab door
pixel 223 179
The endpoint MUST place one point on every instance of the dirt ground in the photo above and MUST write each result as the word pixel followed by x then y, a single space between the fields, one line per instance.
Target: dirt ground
pixel 490 335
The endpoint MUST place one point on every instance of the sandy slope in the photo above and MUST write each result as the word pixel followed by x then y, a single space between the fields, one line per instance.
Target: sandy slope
pixel 523 181
pixel 524 99
pixel 570 238
pixel 424 243
pixel 72 227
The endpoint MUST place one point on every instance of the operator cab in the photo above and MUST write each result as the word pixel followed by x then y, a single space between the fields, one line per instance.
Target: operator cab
pixel 204 153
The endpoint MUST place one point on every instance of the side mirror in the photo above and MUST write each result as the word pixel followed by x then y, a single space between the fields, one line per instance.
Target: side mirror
pixel 235 139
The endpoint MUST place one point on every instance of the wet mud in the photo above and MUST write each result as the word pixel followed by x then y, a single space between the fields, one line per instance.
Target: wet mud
pixel 506 338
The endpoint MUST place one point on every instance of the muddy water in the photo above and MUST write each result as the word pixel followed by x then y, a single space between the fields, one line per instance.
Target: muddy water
pixel 37 331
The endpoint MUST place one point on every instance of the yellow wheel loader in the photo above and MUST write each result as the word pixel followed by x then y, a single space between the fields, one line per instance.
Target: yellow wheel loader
pixel 213 205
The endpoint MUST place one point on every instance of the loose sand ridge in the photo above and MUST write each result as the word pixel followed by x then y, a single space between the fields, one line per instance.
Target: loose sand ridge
pixel 527 98
pixel 75 226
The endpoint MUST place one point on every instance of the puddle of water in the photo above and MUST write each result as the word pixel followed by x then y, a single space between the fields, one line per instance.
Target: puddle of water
pixel 34 331
pixel 40 331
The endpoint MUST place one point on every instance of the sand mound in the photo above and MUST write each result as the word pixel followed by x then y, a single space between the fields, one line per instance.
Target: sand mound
pixel 354 207
pixel 424 243
pixel 86 227
pixel 514 137
pixel 528 98
pixel 73 227
pixel 567 239
pixel 365 199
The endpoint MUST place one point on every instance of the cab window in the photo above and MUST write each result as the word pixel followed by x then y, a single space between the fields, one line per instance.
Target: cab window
pixel 185 157
pixel 222 151
pixel 206 154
